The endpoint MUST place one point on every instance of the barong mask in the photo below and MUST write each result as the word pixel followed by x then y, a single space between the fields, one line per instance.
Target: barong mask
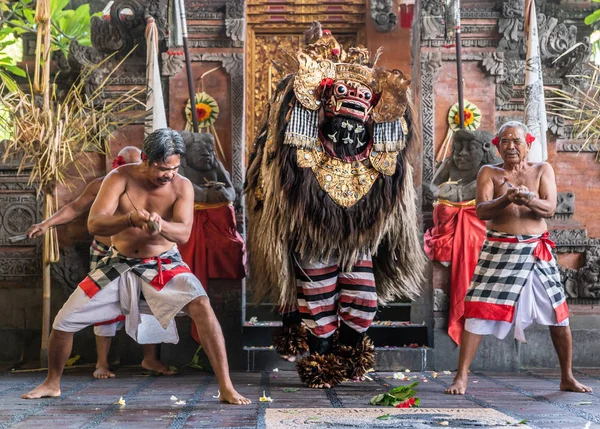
pixel 345 110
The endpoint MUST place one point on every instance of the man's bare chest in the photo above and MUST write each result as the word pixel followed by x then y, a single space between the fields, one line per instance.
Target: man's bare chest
pixel 160 202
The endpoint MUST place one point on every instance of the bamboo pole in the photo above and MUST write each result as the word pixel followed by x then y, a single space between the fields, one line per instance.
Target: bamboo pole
pixel 42 85
pixel 459 77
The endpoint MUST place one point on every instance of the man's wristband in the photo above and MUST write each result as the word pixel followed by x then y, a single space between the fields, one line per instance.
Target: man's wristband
pixel 130 221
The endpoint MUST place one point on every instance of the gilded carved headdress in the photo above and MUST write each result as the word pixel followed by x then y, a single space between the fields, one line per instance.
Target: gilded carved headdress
pixel 323 59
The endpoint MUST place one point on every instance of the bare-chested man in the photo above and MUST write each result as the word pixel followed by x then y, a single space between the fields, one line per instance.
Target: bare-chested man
pixel 146 208
pixel 516 281
pixel 105 330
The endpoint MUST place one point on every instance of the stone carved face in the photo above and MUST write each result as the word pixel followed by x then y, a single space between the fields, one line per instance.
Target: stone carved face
pixel 467 154
pixel 471 150
pixel 200 152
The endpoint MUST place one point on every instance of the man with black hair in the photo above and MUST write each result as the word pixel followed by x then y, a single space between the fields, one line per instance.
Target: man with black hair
pixel 147 209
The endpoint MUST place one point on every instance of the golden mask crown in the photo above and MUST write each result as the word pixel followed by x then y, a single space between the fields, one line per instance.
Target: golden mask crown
pixel 324 58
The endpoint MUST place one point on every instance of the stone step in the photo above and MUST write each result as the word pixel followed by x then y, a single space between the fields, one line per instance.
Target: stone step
pixel 386 359
pixel 396 311
pixel 383 333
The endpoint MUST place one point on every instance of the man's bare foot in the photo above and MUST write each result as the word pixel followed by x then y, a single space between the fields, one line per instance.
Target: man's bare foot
pixel 157 366
pixel 42 391
pixel 289 358
pixel 230 396
pixel 458 386
pixel 103 372
pixel 572 385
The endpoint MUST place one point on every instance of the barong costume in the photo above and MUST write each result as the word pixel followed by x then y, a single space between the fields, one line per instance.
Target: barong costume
pixel 331 205
pixel 456 237
pixel 516 282
pixel 115 286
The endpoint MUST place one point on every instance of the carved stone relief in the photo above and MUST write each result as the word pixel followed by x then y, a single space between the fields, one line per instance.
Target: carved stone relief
pixel 382 14
pixel 565 206
pixel 17 213
pixel 126 26
pixel 235 27
pixel 430 64
pixel 584 283
pixel 72 267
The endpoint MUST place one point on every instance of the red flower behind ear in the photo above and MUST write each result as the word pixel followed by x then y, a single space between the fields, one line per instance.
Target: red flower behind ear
pixel 144 157
pixel 529 139
pixel 496 141
pixel 118 161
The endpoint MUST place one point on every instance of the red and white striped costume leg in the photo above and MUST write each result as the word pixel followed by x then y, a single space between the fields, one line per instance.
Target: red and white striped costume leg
pixel 358 296
pixel 317 284
pixel 326 296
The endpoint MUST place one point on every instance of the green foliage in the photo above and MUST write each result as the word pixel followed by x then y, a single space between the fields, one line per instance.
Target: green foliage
pixel 18 18
pixel 593 20
pixel 396 396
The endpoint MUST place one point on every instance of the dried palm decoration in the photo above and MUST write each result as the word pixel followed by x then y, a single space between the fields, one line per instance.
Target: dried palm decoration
pixel 580 106
pixel 49 130
pixel 73 124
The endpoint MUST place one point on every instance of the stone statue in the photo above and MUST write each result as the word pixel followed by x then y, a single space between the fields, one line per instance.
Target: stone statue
pixel 211 181
pixel 456 177
pixel 589 280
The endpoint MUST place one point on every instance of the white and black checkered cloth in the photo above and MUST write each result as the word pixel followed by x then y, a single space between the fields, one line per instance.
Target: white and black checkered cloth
pixel 303 129
pixel 156 271
pixel 388 136
pixel 502 272
pixel 98 251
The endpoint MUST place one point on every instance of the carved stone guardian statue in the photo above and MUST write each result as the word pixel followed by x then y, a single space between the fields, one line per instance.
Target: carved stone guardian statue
pixel 215 249
pixel 456 178
pixel 212 183
pixel 457 235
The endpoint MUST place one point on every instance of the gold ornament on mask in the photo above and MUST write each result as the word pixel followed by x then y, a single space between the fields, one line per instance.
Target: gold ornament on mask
pixel 393 87
pixel 346 182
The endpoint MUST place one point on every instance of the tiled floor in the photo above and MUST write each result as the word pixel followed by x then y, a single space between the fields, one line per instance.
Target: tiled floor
pixel 88 403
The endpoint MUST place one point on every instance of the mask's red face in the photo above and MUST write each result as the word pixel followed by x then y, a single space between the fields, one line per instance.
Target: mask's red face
pixel 348 98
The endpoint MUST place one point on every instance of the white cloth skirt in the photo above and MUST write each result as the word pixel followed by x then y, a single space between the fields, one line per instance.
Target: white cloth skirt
pixel 533 306
pixel 148 322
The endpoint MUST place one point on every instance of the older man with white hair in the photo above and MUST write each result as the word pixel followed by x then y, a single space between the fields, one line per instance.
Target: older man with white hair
pixel 516 281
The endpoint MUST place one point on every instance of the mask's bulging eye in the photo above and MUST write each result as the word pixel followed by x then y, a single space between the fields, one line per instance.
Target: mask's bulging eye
pixel 367 95
pixel 341 89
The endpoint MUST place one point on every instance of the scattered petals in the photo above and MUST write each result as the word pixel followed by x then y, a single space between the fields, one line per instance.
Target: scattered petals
pixel 121 401
pixel 180 402
pixel 399 376
pixel 265 398
pixel 444 423
pixel 475 381
pixel 446 372
pixel 434 374
pixel 219 394
pixel 174 398
pixel 276 370
pixel 407 370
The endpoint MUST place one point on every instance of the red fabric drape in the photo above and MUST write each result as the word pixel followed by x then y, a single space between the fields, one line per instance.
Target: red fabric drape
pixel 457 237
pixel 215 249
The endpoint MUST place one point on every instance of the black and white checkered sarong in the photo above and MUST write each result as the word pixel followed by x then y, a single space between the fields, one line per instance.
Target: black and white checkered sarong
pixel 505 263
pixel 156 271
pixel 98 251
